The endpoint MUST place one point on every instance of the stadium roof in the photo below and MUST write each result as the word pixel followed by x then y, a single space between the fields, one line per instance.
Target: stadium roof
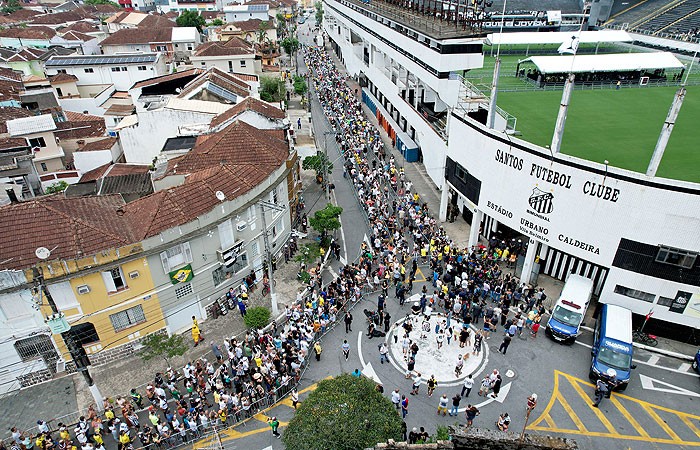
pixel 559 37
pixel 614 62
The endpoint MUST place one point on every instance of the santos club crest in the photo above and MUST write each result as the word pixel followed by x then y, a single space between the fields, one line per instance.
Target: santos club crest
pixel 541 201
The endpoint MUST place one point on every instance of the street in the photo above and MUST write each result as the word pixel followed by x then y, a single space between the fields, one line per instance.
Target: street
pixel 658 410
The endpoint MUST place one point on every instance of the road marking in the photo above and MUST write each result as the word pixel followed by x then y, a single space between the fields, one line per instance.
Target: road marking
pixel 367 369
pixel 684 367
pixel 501 397
pixel 609 426
pixel 649 384
pixel 420 277
pixel 653 359
pixel 669 436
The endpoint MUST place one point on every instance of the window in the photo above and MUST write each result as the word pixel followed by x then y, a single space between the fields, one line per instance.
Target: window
pixel 127 318
pixel 204 64
pixel 277 229
pixel 161 48
pixel 676 257
pixel 84 333
pixel 114 280
pixel 61 71
pixel 44 168
pixel 664 301
pixel 123 69
pixel 255 248
pixel 633 293
pixel 223 273
pixel 37 142
pixel 34 347
pixel 226 236
pixel 251 213
pixel 142 67
pixel 115 69
pixel 230 66
pixel 176 256
pixel 189 47
pixel 89 70
pixel 460 173
pixel 183 291
pixel 242 63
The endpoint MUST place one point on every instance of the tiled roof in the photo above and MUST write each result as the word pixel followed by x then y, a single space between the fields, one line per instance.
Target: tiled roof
pixel 136 183
pixel 80 126
pixel 72 227
pixel 156 21
pixel 9 74
pixel 238 143
pixel 138 36
pixel 8 113
pixel 27 54
pixel 77 36
pixel 81 27
pixel 94 174
pixel 211 15
pixel 61 77
pixel 233 46
pixel 168 77
pixel 28 33
pixel 119 110
pixel 250 103
pixel 57 18
pixel 9 90
pixel 220 78
pixel 102 144
pixel 118 170
pixel 11 143
pixel 30 125
pixel 252 24
pixel 24 14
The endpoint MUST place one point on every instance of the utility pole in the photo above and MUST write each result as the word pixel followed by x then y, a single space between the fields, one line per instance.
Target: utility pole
pixel 268 253
pixel 326 162
pixel 75 350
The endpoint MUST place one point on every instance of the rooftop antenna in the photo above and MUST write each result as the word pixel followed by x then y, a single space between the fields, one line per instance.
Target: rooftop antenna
pixel 491 119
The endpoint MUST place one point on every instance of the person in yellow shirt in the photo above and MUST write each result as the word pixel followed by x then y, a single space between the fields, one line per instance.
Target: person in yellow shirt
pixel 222 416
pixel 124 440
pixel 196 333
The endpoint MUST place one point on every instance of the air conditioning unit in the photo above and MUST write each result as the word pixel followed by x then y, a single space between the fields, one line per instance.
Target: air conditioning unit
pixel 134 274
pixel 240 226
pixel 83 289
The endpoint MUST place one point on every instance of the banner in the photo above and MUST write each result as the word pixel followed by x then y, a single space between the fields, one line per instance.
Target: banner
pixel 182 275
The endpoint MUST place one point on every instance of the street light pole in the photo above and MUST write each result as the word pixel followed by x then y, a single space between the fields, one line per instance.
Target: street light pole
pixel 268 254
pixel 74 349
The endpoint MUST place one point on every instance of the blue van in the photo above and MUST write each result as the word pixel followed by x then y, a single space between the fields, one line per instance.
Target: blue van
pixel 612 345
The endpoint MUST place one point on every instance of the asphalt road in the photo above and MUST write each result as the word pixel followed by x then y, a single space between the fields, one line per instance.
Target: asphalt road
pixel 660 408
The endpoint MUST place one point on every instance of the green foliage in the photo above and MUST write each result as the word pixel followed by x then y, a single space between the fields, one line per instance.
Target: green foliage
pixel 57 187
pixel 316 163
pixel 305 277
pixel 190 19
pixel 100 2
pixel 271 89
pixel 290 45
pixel 326 219
pixel 10 7
pixel 216 22
pixel 344 413
pixel 300 86
pixel 319 13
pixel 158 345
pixel 257 317
pixel 308 253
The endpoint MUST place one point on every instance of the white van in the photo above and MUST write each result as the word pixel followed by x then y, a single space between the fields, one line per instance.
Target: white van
pixel 565 322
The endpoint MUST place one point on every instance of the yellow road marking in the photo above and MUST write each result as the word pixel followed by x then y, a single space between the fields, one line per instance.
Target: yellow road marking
pixel 420 277
pixel 662 423
pixel 609 426
pixel 642 432
pixel 548 420
pixel 691 425
pixel 571 413
pixel 651 409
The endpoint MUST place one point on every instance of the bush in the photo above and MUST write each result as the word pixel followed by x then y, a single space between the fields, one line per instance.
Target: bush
pixel 257 317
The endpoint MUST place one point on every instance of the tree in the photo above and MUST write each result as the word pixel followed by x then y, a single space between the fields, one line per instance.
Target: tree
pixel 158 345
pixel 257 317
pixel 317 162
pixel 308 253
pixel 10 7
pixel 271 89
pixel 319 13
pixel 190 19
pixel 326 220
pixel 344 413
pixel 290 45
pixel 100 2
pixel 216 22
pixel 57 187
pixel 300 85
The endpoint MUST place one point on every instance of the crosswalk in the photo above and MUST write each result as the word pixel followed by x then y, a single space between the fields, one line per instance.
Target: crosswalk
pixel 620 417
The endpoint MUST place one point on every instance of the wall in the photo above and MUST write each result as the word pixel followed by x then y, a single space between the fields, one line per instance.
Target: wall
pixel 252 66
pixel 86 161
pixel 122 80
pixel 97 305
pixel 624 204
pixel 19 43
pixel 67 90
pixel 144 141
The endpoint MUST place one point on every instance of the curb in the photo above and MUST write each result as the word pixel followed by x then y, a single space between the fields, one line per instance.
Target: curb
pixel 655 349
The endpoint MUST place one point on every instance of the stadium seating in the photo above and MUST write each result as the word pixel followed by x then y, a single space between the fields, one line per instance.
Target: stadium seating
pixel 680 18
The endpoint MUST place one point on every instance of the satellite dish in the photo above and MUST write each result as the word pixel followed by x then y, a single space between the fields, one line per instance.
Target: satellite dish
pixel 221 196
pixel 42 253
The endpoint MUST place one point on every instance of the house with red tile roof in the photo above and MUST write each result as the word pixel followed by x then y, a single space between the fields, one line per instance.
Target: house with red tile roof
pixel 234 55
pixel 19 37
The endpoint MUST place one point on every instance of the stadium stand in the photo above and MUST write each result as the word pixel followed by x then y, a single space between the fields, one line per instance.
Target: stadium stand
pixel 678 19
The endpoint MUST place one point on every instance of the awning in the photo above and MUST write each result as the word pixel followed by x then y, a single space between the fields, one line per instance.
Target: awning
pixel 559 37
pixel 614 62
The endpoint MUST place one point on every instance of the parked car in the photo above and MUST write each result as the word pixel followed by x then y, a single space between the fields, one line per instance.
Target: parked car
pixel 696 362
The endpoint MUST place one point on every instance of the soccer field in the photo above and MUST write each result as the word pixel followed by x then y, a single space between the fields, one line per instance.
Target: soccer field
pixel 621 126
